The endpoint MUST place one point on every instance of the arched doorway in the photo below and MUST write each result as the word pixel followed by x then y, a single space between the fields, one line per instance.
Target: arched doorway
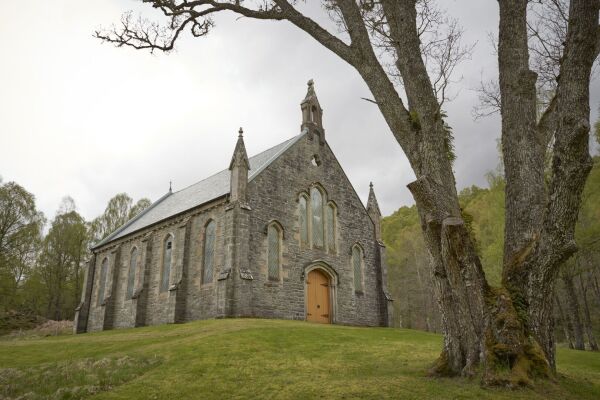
pixel 320 294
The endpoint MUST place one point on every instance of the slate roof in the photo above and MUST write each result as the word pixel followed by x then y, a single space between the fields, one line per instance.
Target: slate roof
pixel 197 194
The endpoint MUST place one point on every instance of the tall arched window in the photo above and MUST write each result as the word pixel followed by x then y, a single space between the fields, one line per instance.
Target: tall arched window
pixel 303 219
pixel 102 282
pixel 317 217
pixel 132 268
pixel 331 227
pixel 209 252
pixel 273 251
pixel 357 266
pixel 166 269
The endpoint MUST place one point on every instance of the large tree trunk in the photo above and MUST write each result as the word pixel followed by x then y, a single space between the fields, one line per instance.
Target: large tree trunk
pixel 480 324
pixel 573 308
pixel 587 318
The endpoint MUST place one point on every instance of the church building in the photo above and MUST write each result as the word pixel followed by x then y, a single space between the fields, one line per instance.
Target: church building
pixel 282 234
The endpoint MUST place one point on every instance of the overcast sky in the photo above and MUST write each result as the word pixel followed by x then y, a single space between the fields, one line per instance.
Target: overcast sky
pixel 85 119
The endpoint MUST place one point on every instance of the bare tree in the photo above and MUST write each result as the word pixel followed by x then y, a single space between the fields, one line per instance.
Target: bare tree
pixel 510 325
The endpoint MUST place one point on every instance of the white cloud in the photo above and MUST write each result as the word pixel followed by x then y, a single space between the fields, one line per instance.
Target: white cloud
pixel 85 119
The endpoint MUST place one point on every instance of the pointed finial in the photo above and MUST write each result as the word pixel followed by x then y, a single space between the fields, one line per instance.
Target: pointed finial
pixel 311 90
pixel 241 132
pixel 170 187
pixel 371 185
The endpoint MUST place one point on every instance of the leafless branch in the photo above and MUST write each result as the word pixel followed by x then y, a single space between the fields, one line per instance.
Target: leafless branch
pixel 441 44
pixel 369 100
pixel 488 95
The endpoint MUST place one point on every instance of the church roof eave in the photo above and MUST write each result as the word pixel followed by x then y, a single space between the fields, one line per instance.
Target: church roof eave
pixel 197 194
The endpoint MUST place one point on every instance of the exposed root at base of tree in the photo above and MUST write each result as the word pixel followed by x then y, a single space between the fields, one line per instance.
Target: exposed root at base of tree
pixel 509 357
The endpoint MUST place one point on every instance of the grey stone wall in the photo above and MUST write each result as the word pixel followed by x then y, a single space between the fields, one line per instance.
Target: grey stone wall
pixel 273 195
pixel 187 299
pixel 241 243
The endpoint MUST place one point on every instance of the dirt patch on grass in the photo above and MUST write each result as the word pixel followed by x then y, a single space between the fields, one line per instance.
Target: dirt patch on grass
pixel 74 379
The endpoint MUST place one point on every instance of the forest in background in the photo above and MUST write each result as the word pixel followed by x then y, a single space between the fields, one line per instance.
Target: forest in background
pixel 42 261
pixel 577 296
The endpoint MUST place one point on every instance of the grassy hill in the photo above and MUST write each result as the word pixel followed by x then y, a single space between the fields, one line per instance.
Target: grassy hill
pixel 257 359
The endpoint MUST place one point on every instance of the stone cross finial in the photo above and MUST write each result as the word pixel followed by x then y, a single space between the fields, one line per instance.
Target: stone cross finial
pixel 241 132
pixel 311 89
pixel 371 185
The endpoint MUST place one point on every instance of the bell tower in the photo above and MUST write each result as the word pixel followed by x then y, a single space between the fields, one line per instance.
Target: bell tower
pixel 312 115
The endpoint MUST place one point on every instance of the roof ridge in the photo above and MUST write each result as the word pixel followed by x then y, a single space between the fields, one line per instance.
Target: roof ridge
pixel 261 163
pixel 288 143
pixel 251 157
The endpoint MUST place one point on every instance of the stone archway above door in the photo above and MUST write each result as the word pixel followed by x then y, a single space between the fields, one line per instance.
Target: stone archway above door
pixel 320 293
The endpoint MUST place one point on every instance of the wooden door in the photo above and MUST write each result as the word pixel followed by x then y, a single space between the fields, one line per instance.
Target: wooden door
pixel 317 301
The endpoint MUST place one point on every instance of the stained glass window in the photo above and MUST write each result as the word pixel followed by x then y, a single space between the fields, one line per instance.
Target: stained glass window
pixel 273 252
pixel 303 211
pixel 166 271
pixel 357 265
pixel 132 268
pixel 102 283
pixel 317 217
pixel 209 252
pixel 331 228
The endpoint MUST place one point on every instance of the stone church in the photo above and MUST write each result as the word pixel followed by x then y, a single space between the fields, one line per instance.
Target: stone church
pixel 282 234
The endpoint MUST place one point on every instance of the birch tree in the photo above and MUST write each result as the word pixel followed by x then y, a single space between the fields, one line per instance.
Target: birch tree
pixel 491 327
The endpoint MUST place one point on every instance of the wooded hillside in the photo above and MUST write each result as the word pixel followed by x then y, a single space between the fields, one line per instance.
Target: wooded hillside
pixel 577 303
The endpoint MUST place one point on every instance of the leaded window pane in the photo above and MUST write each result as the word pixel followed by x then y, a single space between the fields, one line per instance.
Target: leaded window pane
pixel 273 252
pixel 317 217
pixel 357 263
pixel 209 252
pixel 132 268
pixel 303 221
pixel 164 283
pixel 102 283
pixel 331 228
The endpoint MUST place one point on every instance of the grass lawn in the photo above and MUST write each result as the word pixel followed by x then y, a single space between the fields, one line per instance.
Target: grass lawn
pixel 258 359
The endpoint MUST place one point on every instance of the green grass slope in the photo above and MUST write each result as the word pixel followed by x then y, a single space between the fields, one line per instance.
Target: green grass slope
pixel 257 359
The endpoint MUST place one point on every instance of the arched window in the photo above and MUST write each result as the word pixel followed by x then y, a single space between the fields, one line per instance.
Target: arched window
pixel 357 266
pixel 132 268
pixel 303 219
pixel 331 227
pixel 102 283
pixel 273 251
pixel 317 217
pixel 209 252
pixel 166 269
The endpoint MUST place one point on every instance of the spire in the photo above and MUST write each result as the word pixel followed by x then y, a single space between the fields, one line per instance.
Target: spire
pixel 239 154
pixel 239 167
pixel 372 204
pixel 374 212
pixel 312 114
